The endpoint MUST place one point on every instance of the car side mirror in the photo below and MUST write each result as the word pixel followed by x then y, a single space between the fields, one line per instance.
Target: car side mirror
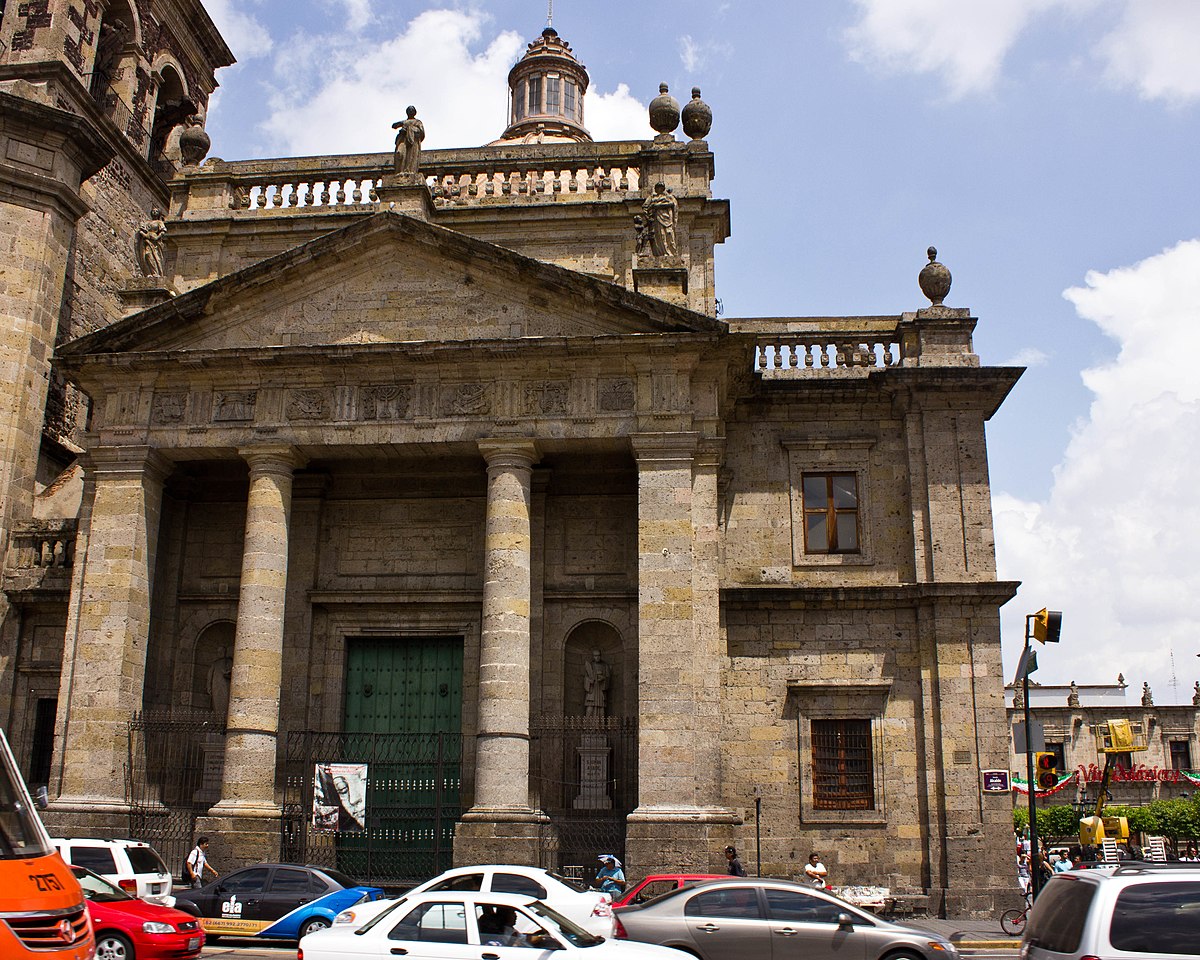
pixel 845 920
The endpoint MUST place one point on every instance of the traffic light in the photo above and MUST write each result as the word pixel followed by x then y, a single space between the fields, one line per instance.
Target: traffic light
pixel 1046 771
pixel 1047 624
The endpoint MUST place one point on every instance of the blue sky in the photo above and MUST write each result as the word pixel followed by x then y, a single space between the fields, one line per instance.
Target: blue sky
pixel 1048 148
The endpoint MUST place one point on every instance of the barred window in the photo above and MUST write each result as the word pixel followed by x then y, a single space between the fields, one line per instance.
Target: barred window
pixel 830 513
pixel 843 765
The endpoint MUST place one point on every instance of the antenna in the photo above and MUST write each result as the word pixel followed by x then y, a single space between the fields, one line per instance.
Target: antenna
pixel 549 13
pixel 1174 681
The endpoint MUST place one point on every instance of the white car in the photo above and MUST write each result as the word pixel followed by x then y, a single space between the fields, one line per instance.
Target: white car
pixel 451 925
pixel 132 865
pixel 588 908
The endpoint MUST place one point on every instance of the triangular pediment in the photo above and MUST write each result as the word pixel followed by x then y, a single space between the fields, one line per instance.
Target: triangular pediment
pixel 390 279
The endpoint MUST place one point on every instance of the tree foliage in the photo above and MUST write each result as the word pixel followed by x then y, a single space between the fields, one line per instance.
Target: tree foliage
pixel 1178 819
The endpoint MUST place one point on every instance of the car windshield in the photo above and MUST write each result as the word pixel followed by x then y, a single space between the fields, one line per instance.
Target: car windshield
pixel 381 916
pixel 570 930
pixel 145 860
pixel 97 889
pixel 577 885
pixel 339 878
pixel 21 832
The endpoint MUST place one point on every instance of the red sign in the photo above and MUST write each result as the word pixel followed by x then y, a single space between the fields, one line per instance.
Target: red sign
pixel 1139 773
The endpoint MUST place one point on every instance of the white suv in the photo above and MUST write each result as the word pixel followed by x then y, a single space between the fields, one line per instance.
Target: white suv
pixel 133 866
pixel 1132 910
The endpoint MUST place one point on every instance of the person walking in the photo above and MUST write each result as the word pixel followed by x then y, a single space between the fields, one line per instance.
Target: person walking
pixel 196 863
pixel 733 863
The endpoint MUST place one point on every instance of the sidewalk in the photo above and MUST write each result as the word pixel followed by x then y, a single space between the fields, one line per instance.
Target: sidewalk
pixel 969 934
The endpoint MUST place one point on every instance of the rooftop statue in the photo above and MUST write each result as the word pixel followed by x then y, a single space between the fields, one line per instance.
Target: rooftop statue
pixel 406 161
pixel 661 209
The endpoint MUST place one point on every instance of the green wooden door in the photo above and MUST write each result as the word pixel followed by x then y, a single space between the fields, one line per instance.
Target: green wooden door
pixel 404 718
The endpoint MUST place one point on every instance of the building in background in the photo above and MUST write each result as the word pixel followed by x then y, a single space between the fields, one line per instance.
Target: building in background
pixel 443 465
pixel 1168 768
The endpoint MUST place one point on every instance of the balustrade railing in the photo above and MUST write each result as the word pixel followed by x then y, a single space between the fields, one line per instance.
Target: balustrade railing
pixel 314 184
pixel 791 353
pixel 42 546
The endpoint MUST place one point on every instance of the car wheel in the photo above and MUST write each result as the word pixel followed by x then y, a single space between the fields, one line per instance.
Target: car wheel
pixel 313 925
pixel 113 946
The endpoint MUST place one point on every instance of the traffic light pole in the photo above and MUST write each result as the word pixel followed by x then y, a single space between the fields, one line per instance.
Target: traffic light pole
pixel 1035 867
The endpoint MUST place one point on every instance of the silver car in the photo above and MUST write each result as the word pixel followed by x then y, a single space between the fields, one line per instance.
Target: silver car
pixel 1137 911
pixel 760 919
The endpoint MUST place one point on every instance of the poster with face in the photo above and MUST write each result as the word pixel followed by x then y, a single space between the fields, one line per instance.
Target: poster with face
pixel 340 797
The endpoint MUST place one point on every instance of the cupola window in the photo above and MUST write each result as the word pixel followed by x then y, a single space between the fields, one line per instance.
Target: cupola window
pixel 535 95
pixel 553 102
pixel 519 102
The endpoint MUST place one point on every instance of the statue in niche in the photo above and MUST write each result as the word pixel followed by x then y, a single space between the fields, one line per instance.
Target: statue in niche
pixel 220 673
pixel 149 244
pixel 661 210
pixel 596 677
pixel 406 161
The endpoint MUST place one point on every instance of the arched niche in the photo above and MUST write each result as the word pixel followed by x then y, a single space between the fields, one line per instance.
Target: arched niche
pixel 171 107
pixel 583 641
pixel 116 45
pixel 213 661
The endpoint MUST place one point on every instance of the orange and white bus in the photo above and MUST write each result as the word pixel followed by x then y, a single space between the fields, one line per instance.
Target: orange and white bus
pixel 42 910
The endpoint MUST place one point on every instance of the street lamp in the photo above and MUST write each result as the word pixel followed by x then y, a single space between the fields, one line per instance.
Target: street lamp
pixel 1043 626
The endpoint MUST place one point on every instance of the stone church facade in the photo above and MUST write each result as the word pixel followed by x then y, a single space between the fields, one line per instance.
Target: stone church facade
pixel 460 476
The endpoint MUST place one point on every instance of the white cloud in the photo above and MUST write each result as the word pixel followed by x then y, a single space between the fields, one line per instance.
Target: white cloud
pixel 695 55
pixel 964 43
pixel 243 32
pixel 616 116
pixel 344 99
pixel 1027 357
pixel 1153 49
pixel 1114 545
pixel 689 52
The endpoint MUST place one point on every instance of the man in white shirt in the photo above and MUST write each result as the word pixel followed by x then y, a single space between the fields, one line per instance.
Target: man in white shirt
pixel 196 863
pixel 815 872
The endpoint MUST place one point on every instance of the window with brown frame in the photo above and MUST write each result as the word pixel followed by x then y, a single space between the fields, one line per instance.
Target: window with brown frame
pixel 830 513
pixel 843 765
pixel 1181 755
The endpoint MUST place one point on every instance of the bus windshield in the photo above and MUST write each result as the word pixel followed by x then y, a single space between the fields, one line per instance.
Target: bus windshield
pixel 21 832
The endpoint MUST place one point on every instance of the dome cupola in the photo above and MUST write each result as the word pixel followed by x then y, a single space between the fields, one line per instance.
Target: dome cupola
pixel 545 93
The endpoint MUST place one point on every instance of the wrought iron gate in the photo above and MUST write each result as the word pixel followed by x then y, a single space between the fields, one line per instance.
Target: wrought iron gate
pixel 173 776
pixel 584 772
pixel 412 804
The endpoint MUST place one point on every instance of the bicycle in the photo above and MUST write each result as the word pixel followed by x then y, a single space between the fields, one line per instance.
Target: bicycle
pixel 1012 922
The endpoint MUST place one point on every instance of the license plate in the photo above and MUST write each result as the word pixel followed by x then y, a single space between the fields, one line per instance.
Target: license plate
pixel 156 888
pixel 193 943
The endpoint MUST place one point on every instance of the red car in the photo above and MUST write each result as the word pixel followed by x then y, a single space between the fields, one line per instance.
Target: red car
pixel 658 883
pixel 127 927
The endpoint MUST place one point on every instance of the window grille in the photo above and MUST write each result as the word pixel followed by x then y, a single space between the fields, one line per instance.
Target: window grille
pixel 843 765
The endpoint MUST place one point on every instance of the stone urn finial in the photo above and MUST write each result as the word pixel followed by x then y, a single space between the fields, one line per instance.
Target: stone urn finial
pixel 664 113
pixel 697 117
pixel 934 279
pixel 194 141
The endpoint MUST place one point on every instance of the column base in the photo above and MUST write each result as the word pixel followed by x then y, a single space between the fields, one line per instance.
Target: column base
pixel 502 841
pixel 77 816
pixel 679 839
pixel 240 834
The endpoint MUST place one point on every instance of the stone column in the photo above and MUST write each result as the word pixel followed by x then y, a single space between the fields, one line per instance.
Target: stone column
pixel 245 822
pixel 679 657
pixel 501 823
pixel 108 628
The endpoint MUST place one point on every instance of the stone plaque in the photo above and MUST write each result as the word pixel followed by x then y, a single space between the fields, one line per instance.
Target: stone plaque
pixel 547 397
pixel 467 399
pixel 384 402
pixel 168 407
pixel 616 395
pixel 308 405
pixel 231 405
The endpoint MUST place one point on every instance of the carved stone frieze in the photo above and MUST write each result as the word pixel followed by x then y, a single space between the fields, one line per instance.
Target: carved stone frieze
pixel 388 401
pixel 466 399
pixel 547 397
pixel 617 395
pixel 169 407
pixel 308 404
pixel 230 405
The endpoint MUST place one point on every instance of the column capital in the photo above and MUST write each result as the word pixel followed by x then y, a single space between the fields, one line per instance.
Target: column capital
pixel 710 451
pixel 520 452
pixel 272 458
pixel 671 447
pixel 126 461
